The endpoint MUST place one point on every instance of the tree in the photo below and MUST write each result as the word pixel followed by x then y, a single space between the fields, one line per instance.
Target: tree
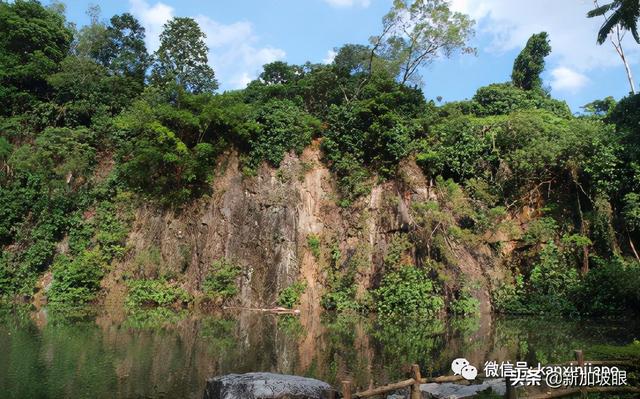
pixel 623 18
pixel 124 52
pixel 182 58
pixel 92 36
pixel 529 64
pixel 624 13
pixel 351 59
pixel 415 33
pixel 600 108
pixel 33 41
pixel 279 72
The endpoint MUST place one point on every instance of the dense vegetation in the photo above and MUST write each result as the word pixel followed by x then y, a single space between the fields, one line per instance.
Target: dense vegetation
pixel 90 123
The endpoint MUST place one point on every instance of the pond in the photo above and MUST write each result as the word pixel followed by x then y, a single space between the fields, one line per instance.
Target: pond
pixel 162 354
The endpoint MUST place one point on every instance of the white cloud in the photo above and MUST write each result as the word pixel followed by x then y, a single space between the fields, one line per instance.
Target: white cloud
pixel 509 23
pixel 234 53
pixel 566 79
pixel 152 18
pixel 348 3
pixel 331 55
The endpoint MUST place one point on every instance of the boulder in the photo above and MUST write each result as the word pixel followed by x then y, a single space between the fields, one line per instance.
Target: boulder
pixel 450 390
pixel 267 385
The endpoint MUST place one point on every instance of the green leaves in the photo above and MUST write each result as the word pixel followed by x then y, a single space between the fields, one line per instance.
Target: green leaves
pixel 76 281
pixel 154 293
pixel 221 282
pixel 290 296
pixel 529 64
pixel 414 33
pixel 182 58
pixel 408 292
pixel 33 40
pixel 282 126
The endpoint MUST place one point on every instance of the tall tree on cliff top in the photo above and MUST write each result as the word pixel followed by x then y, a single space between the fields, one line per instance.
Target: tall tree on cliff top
pixel 182 58
pixel 33 41
pixel 124 52
pixel 529 64
pixel 416 32
pixel 620 16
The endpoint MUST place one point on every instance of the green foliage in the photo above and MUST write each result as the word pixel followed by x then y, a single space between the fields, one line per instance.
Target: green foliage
pixel 624 13
pixel 60 154
pixel 290 296
pixel 313 242
pixel 605 352
pixel 123 52
pixel 154 293
pixel 529 64
pixel 283 126
pixel 609 287
pixel 631 211
pixel 457 148
pixel 33 41
pixel 408 292
pixel 552 283
pixel 505 98
pixel 157 161
pixel 418 32
pixel 396 256
pixel 341 294
pixel 182 58
pixel 76 281
pixel 600 108
pixel 372 134
pixel 83 139
pixel 221 282
pixel 465 304
pixel 541 230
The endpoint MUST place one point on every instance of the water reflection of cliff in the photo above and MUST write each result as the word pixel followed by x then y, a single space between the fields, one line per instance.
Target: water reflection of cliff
pixel 164 354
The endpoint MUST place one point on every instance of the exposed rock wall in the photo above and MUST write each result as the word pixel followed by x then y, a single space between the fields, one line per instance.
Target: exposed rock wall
pixel 262 223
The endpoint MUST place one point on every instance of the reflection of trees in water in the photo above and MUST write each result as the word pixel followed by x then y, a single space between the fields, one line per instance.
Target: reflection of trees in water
pixel 53 355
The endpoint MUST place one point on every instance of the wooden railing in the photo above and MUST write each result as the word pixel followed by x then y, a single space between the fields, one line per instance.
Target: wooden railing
pixel 511 393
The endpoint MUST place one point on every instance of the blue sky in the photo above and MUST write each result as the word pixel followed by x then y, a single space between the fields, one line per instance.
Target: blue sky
pixel 244 34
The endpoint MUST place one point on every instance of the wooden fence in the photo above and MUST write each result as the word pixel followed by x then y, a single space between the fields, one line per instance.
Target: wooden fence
pixel 511 392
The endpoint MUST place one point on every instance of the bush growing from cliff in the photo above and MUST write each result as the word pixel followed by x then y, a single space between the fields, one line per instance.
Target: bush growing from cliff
pixel 408 292
pixel 313 242
pixel 464 304
pixel 154 293
pixel 610 285
pixel 282 126
pixel 221 282
pixel 290 296
pixel 76 281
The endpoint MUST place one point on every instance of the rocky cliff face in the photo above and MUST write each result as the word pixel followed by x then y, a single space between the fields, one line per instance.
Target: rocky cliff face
pixel 263 222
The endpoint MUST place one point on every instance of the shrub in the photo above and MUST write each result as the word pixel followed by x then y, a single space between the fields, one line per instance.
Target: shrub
pixel 313 242
pixel 154 293
pixel 610 287
pixel 408 292
pixel 290 296
pixel 397 252
pixel 504 98
pixel 552 283
pixel 221 281
pixel 465 303
pixel 76 281
pixel 283 126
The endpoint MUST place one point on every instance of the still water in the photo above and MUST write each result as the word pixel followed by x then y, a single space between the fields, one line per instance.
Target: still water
pixel 162 354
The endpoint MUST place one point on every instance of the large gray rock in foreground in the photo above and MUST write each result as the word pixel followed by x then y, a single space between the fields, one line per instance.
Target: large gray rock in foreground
pixel 266 385
pixel 448 390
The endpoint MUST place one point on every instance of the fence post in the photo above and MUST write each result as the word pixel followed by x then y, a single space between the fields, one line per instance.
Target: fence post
pixel 415 388
pixel 346 389
pixel 580 360
pixel 511 390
